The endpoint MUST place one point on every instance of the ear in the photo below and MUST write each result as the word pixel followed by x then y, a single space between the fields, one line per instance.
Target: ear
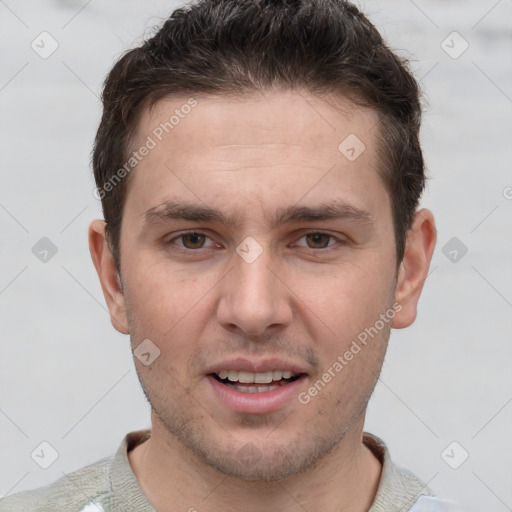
pixel 109 278
pixel 413 270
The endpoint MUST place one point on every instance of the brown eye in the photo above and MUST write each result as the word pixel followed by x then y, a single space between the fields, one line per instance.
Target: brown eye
pixel 193 240
pixel 318 240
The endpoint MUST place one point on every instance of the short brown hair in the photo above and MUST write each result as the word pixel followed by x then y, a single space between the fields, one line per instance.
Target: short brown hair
pixel 232 47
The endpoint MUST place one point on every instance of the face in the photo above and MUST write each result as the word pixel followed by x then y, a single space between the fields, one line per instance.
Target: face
pixel 254 254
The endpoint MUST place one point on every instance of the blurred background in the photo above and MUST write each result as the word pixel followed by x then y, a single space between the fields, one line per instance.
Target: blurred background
pixel 444 400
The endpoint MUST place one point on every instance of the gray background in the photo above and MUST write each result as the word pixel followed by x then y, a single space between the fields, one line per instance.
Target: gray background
pixel 66 376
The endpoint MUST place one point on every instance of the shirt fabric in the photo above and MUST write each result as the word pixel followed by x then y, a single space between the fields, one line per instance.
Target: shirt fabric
pixel 110 485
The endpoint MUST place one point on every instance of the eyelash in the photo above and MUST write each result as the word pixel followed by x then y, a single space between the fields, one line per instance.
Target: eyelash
pixel 330 246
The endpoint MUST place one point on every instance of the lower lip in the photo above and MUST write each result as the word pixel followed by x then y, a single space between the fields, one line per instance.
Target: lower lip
pixel 256 403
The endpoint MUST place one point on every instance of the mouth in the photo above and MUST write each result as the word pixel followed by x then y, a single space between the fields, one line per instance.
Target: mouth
pixel 255 389
pixel 250 382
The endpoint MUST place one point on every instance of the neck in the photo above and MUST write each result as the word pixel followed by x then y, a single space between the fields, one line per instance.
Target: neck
pixel 172 478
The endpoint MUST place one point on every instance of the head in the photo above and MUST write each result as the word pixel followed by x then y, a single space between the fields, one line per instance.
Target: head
pixel 260 171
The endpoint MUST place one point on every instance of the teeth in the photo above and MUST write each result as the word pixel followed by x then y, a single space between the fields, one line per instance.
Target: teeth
pixel 257 378
pixel 246 377
pixel 253 389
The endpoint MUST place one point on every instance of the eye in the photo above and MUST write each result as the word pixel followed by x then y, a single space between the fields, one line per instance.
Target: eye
pixel 317 240
pixel 192 240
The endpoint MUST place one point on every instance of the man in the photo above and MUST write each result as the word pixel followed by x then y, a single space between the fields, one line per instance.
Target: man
pixel 260 172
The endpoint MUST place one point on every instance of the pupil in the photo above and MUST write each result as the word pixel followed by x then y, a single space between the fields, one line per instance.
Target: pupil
pixel 194 239
pixel 318 239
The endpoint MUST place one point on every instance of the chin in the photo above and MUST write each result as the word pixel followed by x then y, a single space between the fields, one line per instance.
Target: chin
pixel 262 460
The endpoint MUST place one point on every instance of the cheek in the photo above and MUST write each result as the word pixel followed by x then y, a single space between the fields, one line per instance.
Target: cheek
pixel 166 311
pixel 351 353
pixel 162 296
pixel 348 299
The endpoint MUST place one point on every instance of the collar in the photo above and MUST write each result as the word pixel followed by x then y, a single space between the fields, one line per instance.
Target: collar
pixel 398 488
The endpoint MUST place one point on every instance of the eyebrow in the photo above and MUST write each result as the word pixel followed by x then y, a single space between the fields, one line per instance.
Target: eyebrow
pixel 337 210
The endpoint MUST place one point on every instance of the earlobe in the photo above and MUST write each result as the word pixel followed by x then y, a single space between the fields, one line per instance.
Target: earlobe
pixel 413 270
pixel 110 281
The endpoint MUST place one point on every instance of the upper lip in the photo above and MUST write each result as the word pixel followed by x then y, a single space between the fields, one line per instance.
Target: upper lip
pixel 262 366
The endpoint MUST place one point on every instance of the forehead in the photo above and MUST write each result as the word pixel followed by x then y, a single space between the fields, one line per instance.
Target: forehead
pixel 258 118
pixel 257 150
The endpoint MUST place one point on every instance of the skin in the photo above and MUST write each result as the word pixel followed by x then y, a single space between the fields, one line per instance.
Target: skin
pixel 298 301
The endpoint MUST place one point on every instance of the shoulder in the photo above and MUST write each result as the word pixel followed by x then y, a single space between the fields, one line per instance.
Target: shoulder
pixel 399 489
pixel 75 492
pixel 104 486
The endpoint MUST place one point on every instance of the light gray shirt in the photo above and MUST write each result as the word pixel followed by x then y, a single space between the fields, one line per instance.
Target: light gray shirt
pixel 110 485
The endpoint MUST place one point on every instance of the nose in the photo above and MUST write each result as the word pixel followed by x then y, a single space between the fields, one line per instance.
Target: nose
pixel 254 300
